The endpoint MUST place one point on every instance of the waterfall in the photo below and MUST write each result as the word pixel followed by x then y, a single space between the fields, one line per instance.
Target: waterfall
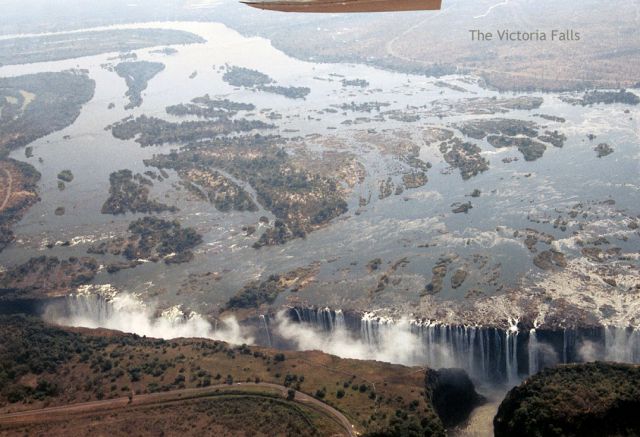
pixel 512 356
pixel 533 352
pixel 340 322
pixel 128 313
pixel 265 326
pixel 481 349
pixel 92 307
pixel 331 320
pixel 511 341
pixel 298 314
pixel 622 345
pixel 486 353
pixel 469 347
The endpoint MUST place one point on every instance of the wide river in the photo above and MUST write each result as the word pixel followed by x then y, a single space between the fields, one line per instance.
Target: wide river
pixel 513 193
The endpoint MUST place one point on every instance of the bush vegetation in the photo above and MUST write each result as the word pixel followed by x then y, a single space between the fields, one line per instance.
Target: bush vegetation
pixel 592 399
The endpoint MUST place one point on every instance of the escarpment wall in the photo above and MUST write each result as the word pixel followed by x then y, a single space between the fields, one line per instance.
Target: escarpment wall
pixel 487 353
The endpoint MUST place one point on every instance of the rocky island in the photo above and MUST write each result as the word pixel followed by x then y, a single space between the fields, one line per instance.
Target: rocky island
pixel 258 81
pixel 137 75
pixel 46 277
pixel 130 193
pixel 152 239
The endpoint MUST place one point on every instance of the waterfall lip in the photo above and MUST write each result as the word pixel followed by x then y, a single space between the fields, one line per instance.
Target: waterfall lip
pixel 105 291
pixel 374 316
pixel 387 316
pixel 513 323
pixel 503 354
pixel 177 314
pixel 104 307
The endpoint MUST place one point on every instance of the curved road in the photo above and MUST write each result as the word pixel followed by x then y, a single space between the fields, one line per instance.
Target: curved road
pixel 43 414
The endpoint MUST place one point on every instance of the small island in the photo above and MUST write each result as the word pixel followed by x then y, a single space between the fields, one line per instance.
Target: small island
pixel 152 239
pixel 526 136
pixel 137 75
pixel 603 149
pixel 258 81
pixel 65 176
pixel 606 98
pixel 42 277
pixel 130 193
pixel 151 131
pixel 206 107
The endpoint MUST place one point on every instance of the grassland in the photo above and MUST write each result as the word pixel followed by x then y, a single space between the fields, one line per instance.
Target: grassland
pixel 42 365
pixel 230 410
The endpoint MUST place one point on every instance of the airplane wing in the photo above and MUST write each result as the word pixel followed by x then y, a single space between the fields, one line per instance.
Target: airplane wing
pixel 339 6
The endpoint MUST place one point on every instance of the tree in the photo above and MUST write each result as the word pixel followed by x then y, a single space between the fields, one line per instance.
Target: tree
pixel 279 357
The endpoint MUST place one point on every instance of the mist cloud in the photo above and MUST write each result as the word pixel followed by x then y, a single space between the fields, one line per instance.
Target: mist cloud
pixel 125 312
pixel 395 344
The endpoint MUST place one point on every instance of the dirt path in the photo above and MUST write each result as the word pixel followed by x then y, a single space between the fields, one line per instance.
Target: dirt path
pixel 58 412
pixel 389 46
pixel 9 189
